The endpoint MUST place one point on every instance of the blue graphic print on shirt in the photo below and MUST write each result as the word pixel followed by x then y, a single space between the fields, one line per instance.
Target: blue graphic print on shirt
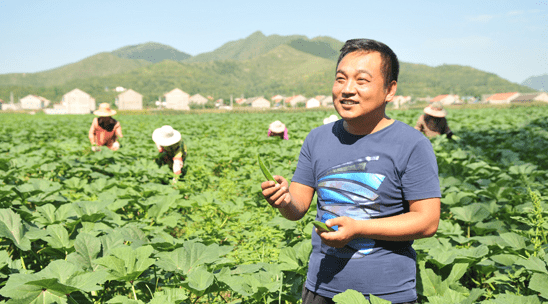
pixel 344 191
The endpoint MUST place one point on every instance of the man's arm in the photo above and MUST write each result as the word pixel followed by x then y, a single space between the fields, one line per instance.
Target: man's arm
pixel 421 221
pixel 293 201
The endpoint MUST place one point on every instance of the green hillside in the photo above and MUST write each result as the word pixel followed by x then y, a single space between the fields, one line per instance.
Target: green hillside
pixel 102 64
pixel 151 51
pixel 422 80
pixel 255 66
pixel 537 82
pixel 242 49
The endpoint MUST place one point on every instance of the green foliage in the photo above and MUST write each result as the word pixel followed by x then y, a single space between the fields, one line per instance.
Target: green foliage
pixel 258 65
pixel 112 227
pixel 150 51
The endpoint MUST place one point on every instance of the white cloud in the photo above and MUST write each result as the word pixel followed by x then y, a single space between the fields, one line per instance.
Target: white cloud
pixel 515 13
pixel 480 18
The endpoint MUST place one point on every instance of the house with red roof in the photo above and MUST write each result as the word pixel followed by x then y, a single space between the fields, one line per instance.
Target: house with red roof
pixel 502 98
pixel 446 99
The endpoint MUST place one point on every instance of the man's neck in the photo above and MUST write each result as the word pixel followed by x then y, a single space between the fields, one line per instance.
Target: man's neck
pixel 366 127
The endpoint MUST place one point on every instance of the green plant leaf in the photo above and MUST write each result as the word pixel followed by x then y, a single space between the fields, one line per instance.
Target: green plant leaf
pixel 533 264
pixel 126 263
pixel 539 283
pixel 200 279
pixel 191 255
pixel 12 228
pixel 472 213
pixel 351 297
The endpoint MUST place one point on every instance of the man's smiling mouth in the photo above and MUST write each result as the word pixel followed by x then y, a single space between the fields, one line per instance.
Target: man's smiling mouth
pixel 348 102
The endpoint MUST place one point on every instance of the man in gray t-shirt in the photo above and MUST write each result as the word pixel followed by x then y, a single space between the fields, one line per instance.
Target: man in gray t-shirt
pixel 376 180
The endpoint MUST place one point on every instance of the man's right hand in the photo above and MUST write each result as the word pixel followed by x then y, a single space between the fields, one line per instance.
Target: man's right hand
pixel 277 195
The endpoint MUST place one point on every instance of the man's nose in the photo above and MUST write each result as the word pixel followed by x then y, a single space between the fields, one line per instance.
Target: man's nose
pixel 349 88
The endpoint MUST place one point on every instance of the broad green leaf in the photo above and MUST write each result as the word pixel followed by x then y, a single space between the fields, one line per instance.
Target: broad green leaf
pixel 126 263
pixel 430 282
pixel 505 259
pixel 190 256
pixel 472 213
pixel 533 264
pixel 200 279
pixel 58 237
pixel 473 296
pixel 4 259
pixel 514 240
pixel 12 228
pixel 514 299
pixel 124 300
pixel 458 270
pixel 450 296
pixel 87 249
pixel 169 295
pixel 351 297
pixel 539 283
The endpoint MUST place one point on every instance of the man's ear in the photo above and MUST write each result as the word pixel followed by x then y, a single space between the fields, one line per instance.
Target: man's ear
pixel 391 91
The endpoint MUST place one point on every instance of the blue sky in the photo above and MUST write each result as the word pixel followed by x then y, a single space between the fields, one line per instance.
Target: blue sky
pixel 508 38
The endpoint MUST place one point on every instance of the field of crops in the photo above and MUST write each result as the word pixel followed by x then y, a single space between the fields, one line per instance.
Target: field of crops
pixel 112 227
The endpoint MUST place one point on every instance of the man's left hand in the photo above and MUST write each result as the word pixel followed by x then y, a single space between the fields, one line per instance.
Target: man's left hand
pixel 346 232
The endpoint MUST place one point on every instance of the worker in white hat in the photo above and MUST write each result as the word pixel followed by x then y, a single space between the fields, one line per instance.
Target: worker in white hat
pixel 278 129
pixel 171 147
pixel 105 130
pixel 332 118
pixel 433 121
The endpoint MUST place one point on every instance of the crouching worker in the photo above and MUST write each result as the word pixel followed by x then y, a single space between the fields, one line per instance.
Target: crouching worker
pixel 171 147
pixel 278 129
pixel 433 122
pixel 105 130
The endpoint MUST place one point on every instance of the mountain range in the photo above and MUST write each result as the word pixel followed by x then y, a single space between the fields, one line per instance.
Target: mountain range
pixel 539 83
pixel 258 65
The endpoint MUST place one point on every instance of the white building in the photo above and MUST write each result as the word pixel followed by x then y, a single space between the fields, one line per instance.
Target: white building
pixel 177 100
pixel 77 102
pixel 129 100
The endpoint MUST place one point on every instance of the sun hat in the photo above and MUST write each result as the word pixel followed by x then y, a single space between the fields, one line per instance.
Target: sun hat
pixel 166 136
pixel 104 110
pixel 329 119
pixel 435 109
pixel 277 127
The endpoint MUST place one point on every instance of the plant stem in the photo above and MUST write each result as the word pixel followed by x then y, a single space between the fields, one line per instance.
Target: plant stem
pixel 134 294
pixel 71 299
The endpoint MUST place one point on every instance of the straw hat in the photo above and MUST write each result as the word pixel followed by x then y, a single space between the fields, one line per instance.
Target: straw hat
pixel 435 109
pixel 166 136
pixel 104 110
pixel 277 127
pixel 329 119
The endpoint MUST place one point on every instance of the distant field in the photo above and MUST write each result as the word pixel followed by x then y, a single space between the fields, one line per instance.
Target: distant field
pixel 83 227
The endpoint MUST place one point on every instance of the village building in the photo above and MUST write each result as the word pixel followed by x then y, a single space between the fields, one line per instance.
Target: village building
pixel 531 97
pixel 129 100
pixel 327 101
pixel 176 99
pixel 312 103
pixel 198 99
pixel 447 99
pixel 277 98
pixel 294 100
pixel 258 102
pixel 33 102
pixel 76 102
pixel 400 100
pixel 502 98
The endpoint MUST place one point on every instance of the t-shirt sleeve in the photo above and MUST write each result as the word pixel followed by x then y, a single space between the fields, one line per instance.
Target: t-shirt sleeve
pixel 420 178
pixel 304 174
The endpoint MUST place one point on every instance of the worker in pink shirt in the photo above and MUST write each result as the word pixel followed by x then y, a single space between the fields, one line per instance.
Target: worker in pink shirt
pixel 105 130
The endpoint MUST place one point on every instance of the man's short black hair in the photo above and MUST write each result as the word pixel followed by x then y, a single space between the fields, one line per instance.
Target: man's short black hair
pixel 390 64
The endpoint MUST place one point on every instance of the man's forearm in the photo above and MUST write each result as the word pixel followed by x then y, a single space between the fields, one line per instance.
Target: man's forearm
pixel 294 210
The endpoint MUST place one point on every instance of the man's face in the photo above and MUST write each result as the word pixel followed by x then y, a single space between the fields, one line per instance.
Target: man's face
pixel 358 91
